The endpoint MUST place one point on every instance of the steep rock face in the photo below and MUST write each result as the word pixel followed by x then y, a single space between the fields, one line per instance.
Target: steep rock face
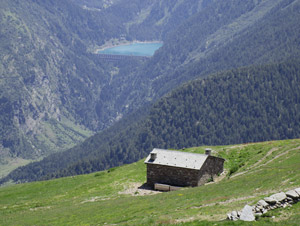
pixel 147 20
pixel 56 91
pixel 42 81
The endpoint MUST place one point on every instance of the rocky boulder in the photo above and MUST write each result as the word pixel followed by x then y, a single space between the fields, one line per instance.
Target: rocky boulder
pixel 270 200
pixel 279 197
pixel 292 194
pixel 247 214
pixel 262 203
pixel 234 216
pixel 298 191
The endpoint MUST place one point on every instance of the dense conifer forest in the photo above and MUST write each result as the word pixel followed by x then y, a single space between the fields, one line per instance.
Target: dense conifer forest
pixel 55 92
pixel 251 104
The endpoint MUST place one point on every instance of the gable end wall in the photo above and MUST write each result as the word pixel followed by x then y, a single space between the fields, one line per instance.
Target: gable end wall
pixel 211 167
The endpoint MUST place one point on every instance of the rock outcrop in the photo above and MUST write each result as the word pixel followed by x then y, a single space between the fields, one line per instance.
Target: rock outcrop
pixel 278 200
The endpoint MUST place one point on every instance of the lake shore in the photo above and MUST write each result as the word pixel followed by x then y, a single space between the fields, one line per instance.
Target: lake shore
pixel 121 43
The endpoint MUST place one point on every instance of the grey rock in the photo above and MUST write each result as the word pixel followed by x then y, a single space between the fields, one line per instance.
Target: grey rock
pixel 229 216
pixel 278 200
pixel 262 203
pixel 247 214
pixel 292 194
pixel 279 197
pixel 235 219
pixel 270 200
pixel 234 216
pixel 298 191
pixel 273 207
pixel 265 211
pixel 239 213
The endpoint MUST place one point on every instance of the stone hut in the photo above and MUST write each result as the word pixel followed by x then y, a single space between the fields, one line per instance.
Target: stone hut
pixel 181 169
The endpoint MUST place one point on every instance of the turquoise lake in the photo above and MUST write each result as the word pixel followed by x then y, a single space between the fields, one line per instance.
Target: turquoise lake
pixel 134 49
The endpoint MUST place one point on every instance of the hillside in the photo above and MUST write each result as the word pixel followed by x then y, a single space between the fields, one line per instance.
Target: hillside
pixel 112 197
pixel 146 20
pixel 45 83
pixel 55 93
pixel 243 105
pixel 225 35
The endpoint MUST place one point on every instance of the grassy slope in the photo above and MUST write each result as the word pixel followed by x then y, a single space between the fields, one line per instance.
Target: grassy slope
pixel 64 133
pixel 9 164
pixel 94 199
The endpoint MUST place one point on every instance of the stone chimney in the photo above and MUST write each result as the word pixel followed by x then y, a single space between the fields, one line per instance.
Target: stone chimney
pixel 208 151
pixel 153 156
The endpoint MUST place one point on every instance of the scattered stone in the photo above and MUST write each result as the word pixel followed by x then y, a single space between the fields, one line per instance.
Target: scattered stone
pixel 279 197
pixel 247 214
pixel 292 194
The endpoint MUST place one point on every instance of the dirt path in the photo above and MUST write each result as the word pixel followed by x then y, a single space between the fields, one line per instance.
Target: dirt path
pixel 258 164
pixel 138 189
pixel 277 156
pixel 262 159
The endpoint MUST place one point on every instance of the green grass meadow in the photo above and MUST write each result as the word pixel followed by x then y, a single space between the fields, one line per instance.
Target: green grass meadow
pixel 110 197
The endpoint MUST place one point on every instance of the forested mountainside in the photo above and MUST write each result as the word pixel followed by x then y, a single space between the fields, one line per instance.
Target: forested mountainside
pixel 227 34
pixel 242 105
pixel 49 83
pixel 221 36
pixel 55 92
pixel 147 20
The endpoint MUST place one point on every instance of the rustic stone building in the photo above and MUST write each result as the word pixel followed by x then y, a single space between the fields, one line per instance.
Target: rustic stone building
pixel 181 168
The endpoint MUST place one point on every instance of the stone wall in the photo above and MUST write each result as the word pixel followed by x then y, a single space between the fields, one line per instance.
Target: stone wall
pixel 212 166
pixel 171 175
pixel 278 200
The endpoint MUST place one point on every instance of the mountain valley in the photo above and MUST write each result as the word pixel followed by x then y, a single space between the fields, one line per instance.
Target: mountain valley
pixel 75 127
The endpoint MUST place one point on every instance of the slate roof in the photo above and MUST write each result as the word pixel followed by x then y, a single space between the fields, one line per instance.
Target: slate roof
pixel 177 159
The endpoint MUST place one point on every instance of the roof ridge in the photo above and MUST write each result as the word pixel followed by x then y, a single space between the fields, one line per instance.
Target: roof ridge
pixel 177 151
